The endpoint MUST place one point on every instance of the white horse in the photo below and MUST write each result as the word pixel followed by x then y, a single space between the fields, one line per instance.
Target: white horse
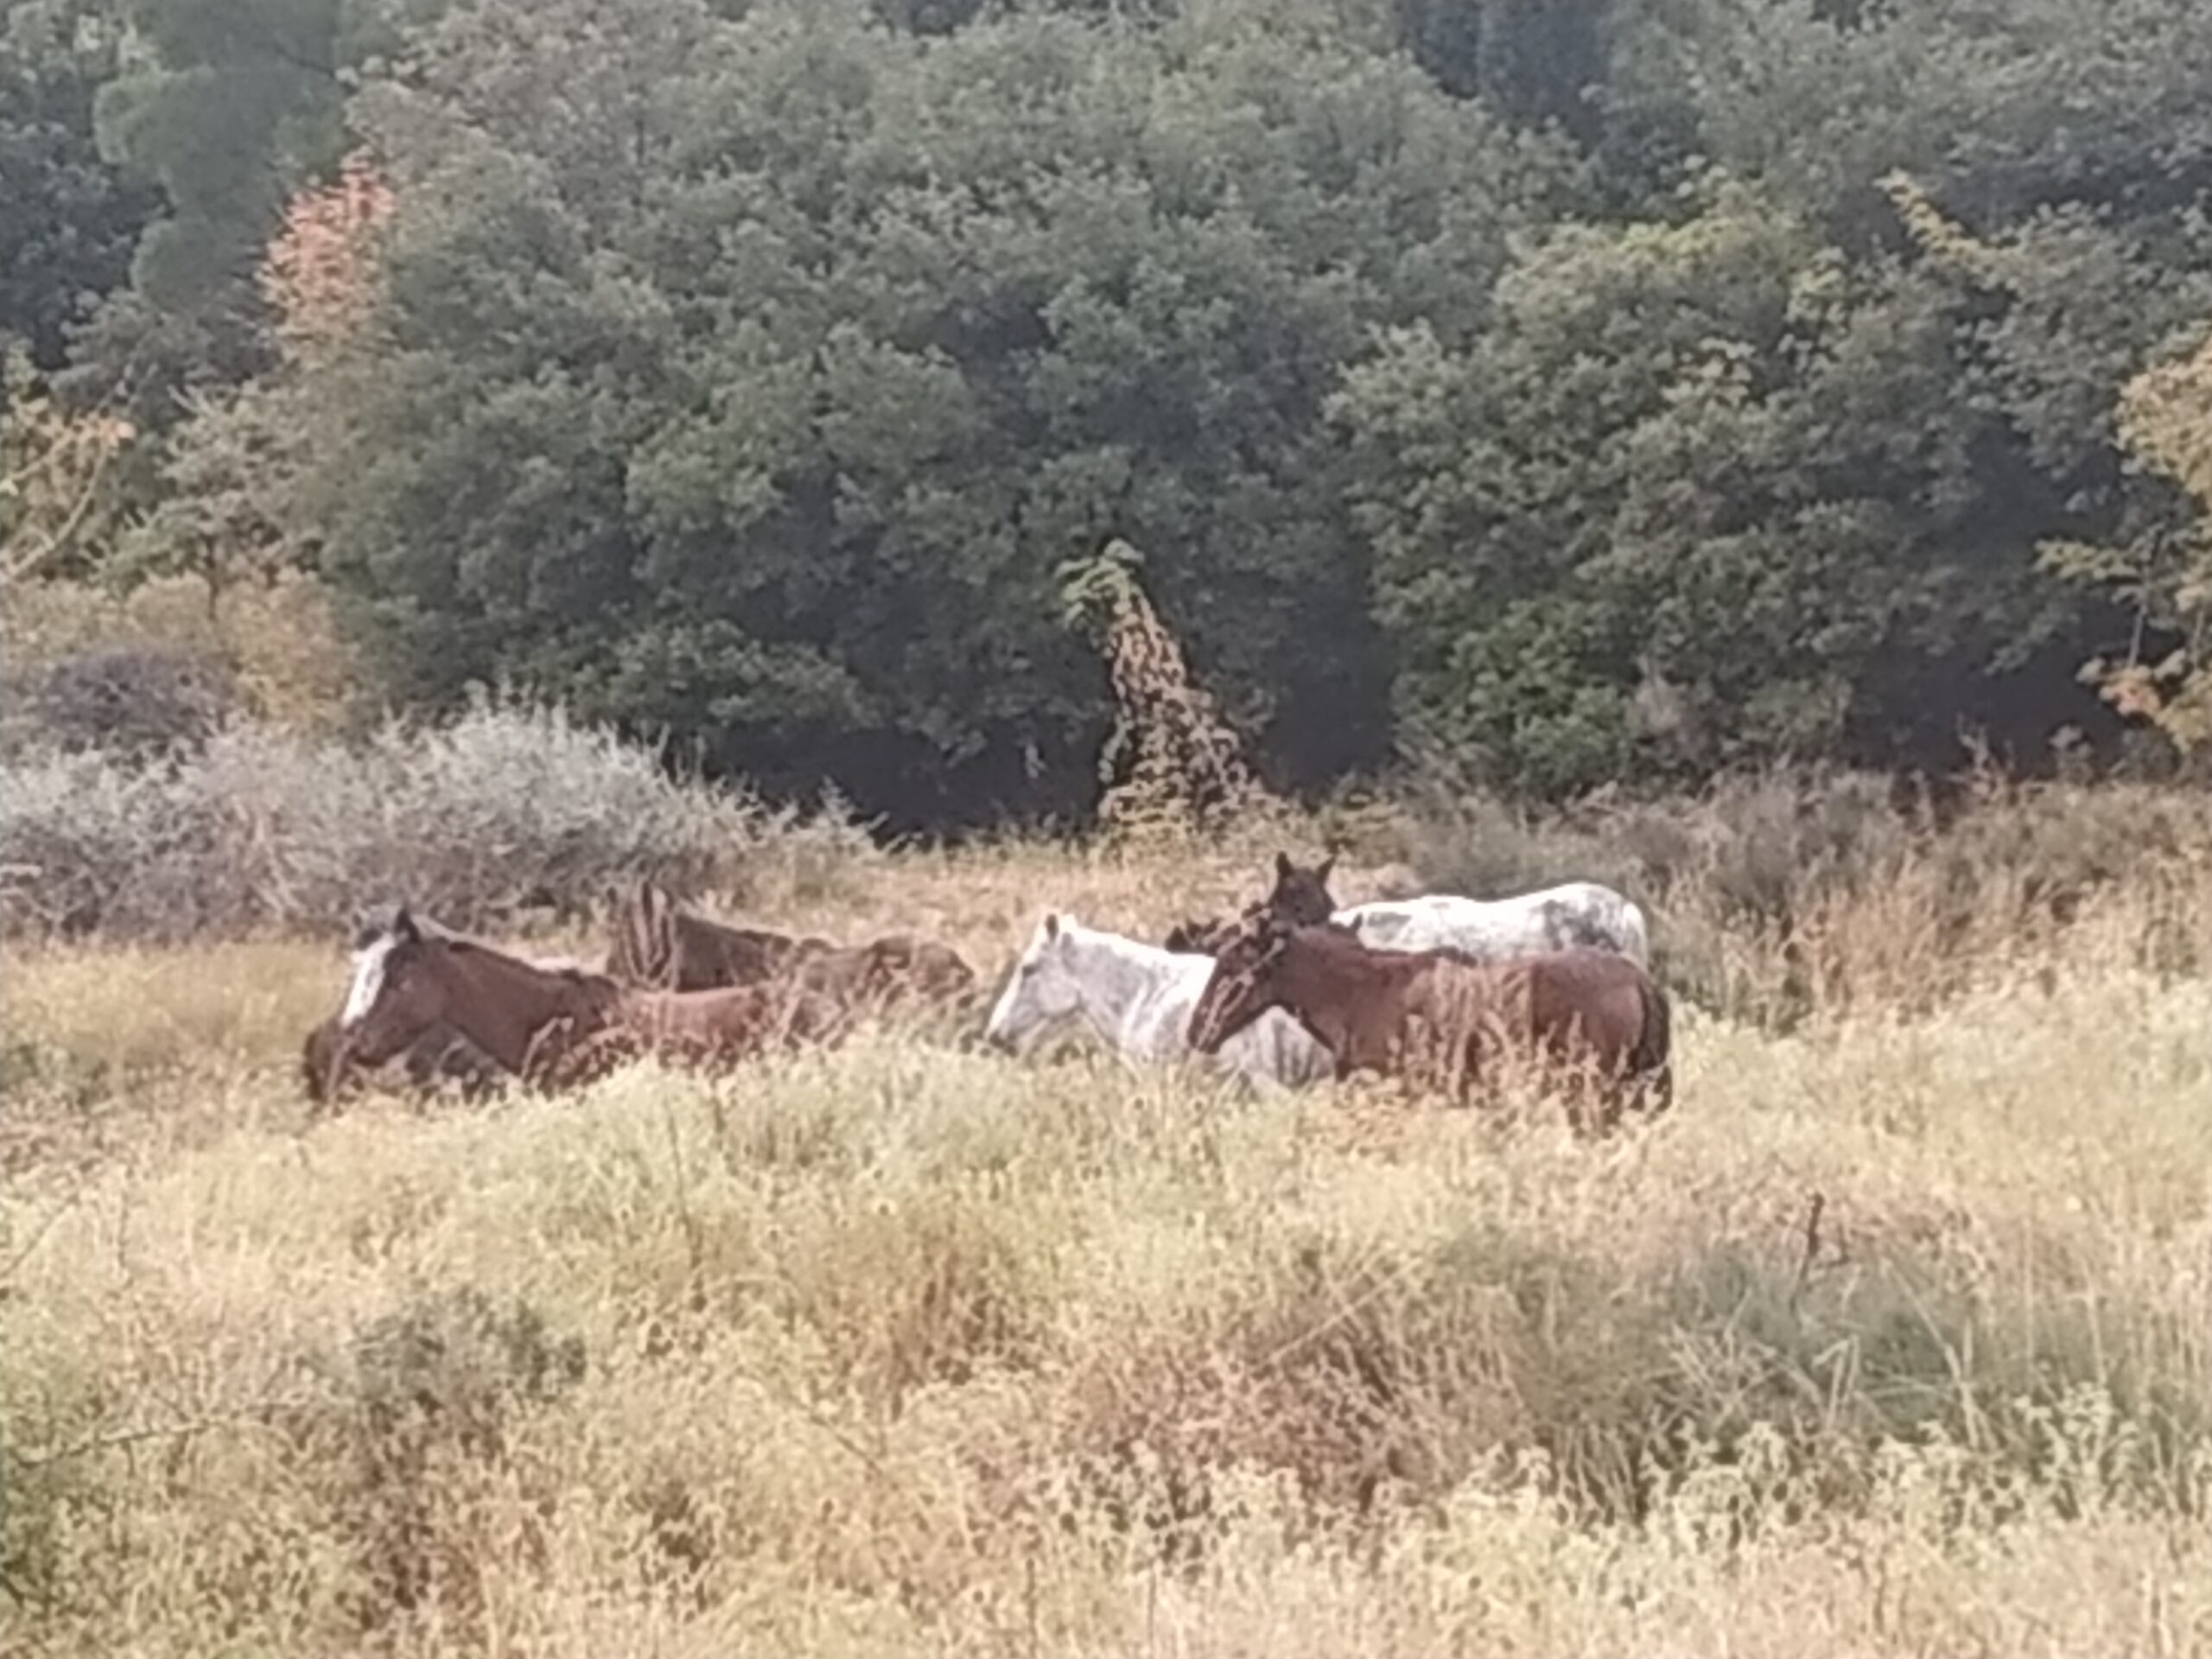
pixel 1578 914
pixel 1138 998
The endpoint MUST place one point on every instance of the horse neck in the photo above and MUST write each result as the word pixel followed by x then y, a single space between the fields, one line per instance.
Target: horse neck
pixel 718 934
pixel 1327 984
pixel 502 1004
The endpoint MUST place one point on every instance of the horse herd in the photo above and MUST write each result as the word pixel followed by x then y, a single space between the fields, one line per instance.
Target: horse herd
pixel 1440 991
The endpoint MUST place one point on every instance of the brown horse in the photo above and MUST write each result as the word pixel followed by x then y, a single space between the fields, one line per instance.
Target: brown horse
pixel 658 945
pixel 554 1026
pixel 893 972
pixel 1299 897
pixel 1441 1020
pixel 439 1055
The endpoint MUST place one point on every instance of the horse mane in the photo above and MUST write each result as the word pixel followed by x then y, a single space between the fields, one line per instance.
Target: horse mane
pixel 575 973
pixel 644 944
pixel 1196 938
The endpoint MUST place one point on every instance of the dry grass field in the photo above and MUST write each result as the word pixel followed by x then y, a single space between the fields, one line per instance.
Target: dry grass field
pixel 1894 1338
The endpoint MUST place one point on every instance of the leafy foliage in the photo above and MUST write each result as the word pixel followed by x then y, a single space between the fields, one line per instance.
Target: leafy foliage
pixel 72 219
pixel 818 374
pixel 58 497
pixel 1606 389
pixel 1171 768
pixel 2165 419
pixel 123 701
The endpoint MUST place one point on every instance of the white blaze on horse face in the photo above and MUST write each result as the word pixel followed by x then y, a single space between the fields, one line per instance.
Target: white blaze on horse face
pixel 368 982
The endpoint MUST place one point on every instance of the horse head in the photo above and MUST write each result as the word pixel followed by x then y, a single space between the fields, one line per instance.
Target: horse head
pixel 1300 895
pixel 1041 988
pixel 1243 986
pixel 390 1002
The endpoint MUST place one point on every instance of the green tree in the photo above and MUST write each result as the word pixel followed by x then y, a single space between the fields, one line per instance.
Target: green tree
pixel 2163 574
pixel 224 107
pixel 753 378
pixel 1533 60
pixel 71 220
pixel 1706 494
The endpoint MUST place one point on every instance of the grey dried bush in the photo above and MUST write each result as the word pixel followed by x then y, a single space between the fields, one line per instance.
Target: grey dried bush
pixel 472 821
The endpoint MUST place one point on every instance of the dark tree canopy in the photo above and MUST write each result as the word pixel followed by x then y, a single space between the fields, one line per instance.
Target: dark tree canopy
pixel 1609 390
pixel 802 354
pixel 71 220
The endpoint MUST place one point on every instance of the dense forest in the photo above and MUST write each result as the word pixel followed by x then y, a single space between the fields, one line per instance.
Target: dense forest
pixel 1598 391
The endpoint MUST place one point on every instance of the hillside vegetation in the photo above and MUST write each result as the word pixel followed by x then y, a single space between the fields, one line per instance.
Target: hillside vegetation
pixel 1606 392
pixel 1892 1338
pixel 883 466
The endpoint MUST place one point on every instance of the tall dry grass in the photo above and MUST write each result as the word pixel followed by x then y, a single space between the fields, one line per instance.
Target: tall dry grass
pixel 1893 1338
pixel 1780 896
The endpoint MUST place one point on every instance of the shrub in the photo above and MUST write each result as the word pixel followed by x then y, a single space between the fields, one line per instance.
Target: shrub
pixel 275 643
pixel 438 1380
pixel 126 701
pixel 469 822
pixel 1772 895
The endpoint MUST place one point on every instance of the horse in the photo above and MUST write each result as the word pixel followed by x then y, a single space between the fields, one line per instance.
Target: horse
pixel 1578 915
pixel 553 1027
pixel 1436 1018
pixel 891 972
pixel 659 946
pixel 1138 999
pixel 1299 896
pixel 439 1055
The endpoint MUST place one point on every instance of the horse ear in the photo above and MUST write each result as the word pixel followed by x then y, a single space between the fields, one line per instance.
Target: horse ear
pixel 403 928
pixel 1321 870
pixel 1283 866
pixel 1051 924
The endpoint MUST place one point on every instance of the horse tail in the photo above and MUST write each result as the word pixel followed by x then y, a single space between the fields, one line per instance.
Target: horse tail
pixel 1650 1063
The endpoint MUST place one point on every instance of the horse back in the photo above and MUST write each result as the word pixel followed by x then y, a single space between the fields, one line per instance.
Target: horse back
pixel 886 970
pixel 1593 1000
pixel 712 955
pixel 1575 1003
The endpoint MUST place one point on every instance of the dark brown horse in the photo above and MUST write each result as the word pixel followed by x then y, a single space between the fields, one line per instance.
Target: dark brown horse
pixel 554 1027
pixel 658 945
pixel 439 1055
pixel 1443 1021
pixel 897 971
pixel 1299 897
